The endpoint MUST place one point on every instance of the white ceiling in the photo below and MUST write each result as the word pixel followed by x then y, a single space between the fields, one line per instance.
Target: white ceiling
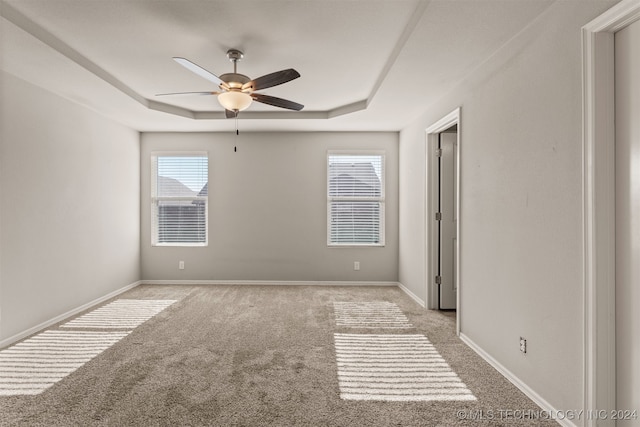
pixel 365 64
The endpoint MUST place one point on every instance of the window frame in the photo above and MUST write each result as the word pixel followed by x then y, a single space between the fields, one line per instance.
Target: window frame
pixel 381 199
pixel 155 199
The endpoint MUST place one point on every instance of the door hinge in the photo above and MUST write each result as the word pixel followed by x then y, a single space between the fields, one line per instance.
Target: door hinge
pixel 438 280
pixel 438 216
pixel 438 152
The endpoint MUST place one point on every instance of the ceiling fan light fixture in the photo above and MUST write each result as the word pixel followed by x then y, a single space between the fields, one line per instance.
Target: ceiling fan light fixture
pixel 235 100
pixel 237 91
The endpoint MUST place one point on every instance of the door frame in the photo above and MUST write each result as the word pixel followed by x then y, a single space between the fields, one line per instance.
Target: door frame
pixel 598 148
pixel 431 203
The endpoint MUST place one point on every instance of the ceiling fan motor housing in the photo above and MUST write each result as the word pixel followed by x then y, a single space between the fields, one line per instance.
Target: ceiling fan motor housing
pixel 234 80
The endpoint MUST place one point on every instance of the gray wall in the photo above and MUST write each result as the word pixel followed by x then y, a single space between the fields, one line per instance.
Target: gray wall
pixel 69 206
pixel 268 209
pixel 521 205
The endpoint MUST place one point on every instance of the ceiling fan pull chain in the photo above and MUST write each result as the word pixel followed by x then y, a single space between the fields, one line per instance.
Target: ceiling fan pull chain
pixel 235 147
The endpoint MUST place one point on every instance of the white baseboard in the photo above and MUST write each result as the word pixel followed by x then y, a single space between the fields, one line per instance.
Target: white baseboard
pixel 17 337
pixel 528 391
pixel 412 295
pixel 267 282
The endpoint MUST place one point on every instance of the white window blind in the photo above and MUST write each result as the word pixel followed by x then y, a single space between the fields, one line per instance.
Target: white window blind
pixel 179 199
pixel 355 199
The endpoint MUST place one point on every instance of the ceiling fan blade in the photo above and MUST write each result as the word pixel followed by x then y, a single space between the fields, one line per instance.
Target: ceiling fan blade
pixel 195 68
pixel 230 114
pixel 188 93
pixel 270 80
pixel 277 102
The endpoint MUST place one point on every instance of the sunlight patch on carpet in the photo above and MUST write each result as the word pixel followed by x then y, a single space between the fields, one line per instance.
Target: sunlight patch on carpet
pixel 395 368
pixel 373 314
pixel 35 364
pixel 120 314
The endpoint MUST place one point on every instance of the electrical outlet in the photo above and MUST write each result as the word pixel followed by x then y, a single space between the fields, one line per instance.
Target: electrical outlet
pixel 180 265
pixel 356 265
pixel 523 345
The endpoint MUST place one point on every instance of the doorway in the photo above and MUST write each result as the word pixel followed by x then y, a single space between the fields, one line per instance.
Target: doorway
pixel 627 233
pixel 446 219
pixel 601 267
pixel 443 211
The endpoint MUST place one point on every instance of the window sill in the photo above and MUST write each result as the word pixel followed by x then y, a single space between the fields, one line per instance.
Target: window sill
pixel 355 245
pixel 180 245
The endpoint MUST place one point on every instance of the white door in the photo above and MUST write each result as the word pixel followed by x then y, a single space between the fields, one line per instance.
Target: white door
pixel 627 94
pixel 447 222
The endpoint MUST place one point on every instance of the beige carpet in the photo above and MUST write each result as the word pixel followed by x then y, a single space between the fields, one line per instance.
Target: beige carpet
pixel 260 356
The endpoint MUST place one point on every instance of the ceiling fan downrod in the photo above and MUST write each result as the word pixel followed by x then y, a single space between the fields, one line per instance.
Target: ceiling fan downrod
pixel 234 56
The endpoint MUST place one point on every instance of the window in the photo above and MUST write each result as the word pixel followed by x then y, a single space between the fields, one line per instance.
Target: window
pixel 355 199
pixel 179 199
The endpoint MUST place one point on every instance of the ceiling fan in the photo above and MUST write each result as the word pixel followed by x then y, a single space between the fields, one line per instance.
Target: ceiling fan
pixel 237 91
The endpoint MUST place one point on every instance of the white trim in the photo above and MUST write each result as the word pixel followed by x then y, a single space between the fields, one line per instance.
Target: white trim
pixel 356 152
pixel 446 122
pixel 179 153
pixel 17 337
pixel 599 205
pixel 412 295
pixel 615 19
pixel 267 282
pixel 432 132
pixel 528 391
